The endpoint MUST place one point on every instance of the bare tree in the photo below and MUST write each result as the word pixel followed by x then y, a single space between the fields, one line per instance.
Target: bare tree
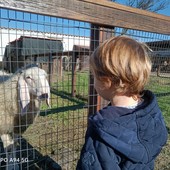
pixel 149 5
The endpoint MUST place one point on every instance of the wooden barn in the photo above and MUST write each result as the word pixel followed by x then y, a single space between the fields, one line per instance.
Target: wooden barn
pixel 31 50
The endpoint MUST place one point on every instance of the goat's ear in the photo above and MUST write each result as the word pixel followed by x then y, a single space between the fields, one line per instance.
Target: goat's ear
pixel 24 96
pixel 46 90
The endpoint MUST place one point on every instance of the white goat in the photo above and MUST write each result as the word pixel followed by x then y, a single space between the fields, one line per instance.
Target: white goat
pixel 20 100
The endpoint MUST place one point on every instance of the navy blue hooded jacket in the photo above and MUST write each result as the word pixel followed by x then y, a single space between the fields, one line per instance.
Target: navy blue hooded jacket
pixel 118 138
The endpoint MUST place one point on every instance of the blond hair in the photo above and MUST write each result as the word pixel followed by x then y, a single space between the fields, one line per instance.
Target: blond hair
pixel 125 62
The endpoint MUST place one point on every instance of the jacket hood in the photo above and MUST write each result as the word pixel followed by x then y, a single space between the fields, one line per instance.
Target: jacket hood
pixel 137 134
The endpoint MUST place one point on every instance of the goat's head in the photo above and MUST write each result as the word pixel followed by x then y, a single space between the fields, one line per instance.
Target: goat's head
pixel 33 81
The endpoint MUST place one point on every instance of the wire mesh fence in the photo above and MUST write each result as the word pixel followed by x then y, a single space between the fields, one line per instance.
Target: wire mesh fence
pixel 62 47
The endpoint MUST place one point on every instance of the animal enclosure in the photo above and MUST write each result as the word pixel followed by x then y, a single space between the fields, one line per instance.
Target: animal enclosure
pixel 59 39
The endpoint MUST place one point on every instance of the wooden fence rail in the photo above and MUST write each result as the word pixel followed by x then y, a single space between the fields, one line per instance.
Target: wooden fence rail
pixel 100 12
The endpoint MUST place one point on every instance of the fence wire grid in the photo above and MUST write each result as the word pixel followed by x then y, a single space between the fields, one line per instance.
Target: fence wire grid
pixel 62 48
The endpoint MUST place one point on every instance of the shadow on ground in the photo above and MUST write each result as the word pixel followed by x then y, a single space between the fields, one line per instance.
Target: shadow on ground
pixel 80 101
pixel 28 158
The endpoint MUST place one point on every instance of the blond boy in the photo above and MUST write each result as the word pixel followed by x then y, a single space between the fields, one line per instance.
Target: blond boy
pixel 130 132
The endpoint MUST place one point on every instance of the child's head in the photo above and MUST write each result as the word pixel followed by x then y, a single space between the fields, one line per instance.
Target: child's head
pixel 124 62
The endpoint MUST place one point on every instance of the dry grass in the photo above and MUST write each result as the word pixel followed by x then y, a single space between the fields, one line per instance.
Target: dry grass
pixel 59 137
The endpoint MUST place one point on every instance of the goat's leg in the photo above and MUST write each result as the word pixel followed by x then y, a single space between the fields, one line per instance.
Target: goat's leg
pixel 10 151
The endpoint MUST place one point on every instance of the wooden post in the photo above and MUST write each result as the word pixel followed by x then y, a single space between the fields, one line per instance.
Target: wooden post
pixel 74 61
pixel 50 68
pixel 61 66
pixel 158 70
pixel 98 35
pixel 105 33
pixel 94 43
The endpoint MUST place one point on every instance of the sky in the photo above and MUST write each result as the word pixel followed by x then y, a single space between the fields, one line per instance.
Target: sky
pixel 27 21
pixel 163 12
